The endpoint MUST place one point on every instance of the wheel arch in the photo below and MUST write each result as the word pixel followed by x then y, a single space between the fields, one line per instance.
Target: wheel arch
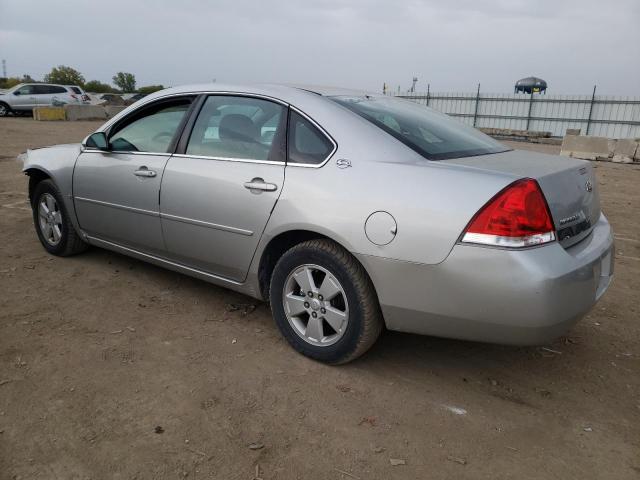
pixel 36 175
pixel 282 242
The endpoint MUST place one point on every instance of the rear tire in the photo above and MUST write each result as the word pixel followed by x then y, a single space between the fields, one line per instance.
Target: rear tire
pixel 52 222
pixel 324 302
pixel 5 109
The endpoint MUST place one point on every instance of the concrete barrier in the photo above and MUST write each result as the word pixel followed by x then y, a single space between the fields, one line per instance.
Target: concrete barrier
pixel 624 150
pixel 48 113
pixel 509 132
pixel 113 110
pixel 85 112
pixel 587 148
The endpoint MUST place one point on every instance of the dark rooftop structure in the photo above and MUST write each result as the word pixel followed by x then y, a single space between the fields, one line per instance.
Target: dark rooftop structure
pixel 531 85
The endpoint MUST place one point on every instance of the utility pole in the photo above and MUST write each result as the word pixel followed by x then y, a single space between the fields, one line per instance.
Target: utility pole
pixel 4 68
pixel 413 85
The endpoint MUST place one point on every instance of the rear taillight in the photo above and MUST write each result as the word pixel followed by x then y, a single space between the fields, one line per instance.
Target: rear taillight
pixel 518 216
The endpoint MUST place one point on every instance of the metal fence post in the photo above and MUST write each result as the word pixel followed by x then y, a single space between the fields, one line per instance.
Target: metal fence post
pixel 529 114
pixel 593 97
pixel 475 114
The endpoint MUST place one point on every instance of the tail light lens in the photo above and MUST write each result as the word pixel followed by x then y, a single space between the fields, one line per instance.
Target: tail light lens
pixel 518 216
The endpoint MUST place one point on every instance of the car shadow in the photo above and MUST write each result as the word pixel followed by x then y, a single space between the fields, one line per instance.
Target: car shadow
pixel 414 354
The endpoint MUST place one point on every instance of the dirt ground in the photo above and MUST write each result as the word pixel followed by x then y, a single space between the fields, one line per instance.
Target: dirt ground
pixel 112 368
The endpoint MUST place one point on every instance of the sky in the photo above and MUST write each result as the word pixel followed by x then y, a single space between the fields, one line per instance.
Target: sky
pixel 450 44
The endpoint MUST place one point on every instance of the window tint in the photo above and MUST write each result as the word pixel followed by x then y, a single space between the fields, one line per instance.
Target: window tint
pixel 150 130
pixel 239 127
pixel 306 143
pixel 433 135
pixel 26 90
pixel 76 90
pixel 48 89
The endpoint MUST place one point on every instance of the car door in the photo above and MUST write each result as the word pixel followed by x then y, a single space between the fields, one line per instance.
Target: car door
pixel 220 187
pixel 24 98
pixel 116 192
pixel 43 95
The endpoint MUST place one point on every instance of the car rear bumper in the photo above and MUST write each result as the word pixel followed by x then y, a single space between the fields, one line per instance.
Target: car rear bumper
pixel 525 297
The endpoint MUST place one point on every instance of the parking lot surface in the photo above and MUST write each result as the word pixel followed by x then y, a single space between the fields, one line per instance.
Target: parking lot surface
pixel 113 368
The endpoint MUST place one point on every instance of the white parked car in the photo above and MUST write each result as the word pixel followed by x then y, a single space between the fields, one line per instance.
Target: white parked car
pixel 25 96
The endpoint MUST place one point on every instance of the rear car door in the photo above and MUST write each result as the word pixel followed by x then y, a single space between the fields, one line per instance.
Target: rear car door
pixel 43 95
pixel 220 187
pixel 116 192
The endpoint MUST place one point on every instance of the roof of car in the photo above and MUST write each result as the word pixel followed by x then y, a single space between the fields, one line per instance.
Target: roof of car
pixel 282 91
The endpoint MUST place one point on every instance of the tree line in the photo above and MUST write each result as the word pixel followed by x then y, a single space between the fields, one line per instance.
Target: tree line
pixel 124 82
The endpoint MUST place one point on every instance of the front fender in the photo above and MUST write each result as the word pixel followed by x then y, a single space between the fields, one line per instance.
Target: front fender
pixel 56 163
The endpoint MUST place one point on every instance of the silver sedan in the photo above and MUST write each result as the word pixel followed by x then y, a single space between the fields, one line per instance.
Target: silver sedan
pixel 348 212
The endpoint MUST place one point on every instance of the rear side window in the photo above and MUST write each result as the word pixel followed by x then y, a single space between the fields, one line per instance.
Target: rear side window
pixel 41 90
pixel 150 130
pixel 49 89
pixel 307 144
pixel 76 90
pixel 239 127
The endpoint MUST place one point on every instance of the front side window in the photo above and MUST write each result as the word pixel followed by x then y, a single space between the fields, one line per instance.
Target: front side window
pixel 26 90
pixel 151 129
pixel 433 135
pixel 307 144
pixel 239 127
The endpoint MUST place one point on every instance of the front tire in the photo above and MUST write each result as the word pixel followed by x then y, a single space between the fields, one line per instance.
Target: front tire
pixel 5 109
pixel 324 302
pixel 52 222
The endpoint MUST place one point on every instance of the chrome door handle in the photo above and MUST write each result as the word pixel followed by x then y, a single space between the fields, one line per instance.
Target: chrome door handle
pixel 259 184
pixel 144 172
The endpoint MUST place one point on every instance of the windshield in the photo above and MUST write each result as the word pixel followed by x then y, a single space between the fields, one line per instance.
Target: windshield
pixel 433 135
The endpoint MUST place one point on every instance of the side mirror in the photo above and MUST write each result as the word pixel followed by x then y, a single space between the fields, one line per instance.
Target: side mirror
pixel 98 140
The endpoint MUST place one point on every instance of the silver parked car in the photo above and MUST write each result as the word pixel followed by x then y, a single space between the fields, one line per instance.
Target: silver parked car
pixel 26 96
pixel 347 211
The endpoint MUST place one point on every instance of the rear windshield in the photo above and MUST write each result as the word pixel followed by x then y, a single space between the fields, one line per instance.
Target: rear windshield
pixel 76 90
pixel 433 135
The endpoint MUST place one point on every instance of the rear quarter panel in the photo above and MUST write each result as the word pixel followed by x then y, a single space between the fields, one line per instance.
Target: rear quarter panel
pixel 431 202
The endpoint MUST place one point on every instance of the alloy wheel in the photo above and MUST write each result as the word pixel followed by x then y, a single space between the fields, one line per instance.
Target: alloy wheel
pixel 50 219
pixel 315 304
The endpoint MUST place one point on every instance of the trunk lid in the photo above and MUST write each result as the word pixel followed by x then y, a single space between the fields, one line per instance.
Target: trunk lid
pixel 569 186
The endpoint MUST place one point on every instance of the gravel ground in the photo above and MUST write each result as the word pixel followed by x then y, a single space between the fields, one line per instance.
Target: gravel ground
pixel 112 368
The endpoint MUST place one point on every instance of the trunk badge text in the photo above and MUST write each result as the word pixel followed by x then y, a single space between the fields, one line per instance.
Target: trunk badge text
pixel 343 163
